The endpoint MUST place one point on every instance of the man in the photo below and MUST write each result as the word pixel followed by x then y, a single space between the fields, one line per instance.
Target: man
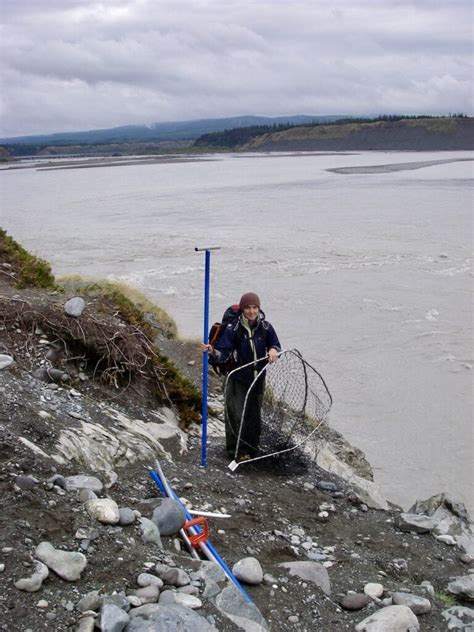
pixel 252 341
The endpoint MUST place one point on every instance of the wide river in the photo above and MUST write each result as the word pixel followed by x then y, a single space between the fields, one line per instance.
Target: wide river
pixel 367 272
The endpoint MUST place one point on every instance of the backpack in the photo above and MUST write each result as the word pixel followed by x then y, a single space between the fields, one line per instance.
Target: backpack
pixel 231 316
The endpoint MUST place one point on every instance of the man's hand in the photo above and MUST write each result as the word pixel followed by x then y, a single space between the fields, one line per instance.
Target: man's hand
pixel 207 348
pixel 272 355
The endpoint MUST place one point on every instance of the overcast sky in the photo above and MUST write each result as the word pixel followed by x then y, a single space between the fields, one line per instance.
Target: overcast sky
pixel 84 64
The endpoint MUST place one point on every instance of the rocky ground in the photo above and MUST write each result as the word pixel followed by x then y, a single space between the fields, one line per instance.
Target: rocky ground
pixel 312 549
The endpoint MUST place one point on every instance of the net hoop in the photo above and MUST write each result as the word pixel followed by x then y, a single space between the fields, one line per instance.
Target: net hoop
pixel 295 352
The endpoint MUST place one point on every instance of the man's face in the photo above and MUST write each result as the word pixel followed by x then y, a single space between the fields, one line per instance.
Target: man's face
pixel 251 312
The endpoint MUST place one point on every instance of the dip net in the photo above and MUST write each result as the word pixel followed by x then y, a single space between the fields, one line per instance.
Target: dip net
pixel 293 400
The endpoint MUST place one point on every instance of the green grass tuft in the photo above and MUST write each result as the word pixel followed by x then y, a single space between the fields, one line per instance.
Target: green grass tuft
pixel 134 306
pixel 28 270
pixel 446 600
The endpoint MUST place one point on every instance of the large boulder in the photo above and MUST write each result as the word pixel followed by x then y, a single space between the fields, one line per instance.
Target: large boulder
pixel 169 516
pixel 450 517
pixel 459 619
pixel 113 618
pixel 243 613
pixel 172 618
pixel 416 523
pixel 463 587
pixel 366 491
pixel 67 564
pixel 313 572
pixel 390 619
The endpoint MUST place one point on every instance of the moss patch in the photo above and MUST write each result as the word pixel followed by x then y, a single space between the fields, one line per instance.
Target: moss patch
pixel 23 269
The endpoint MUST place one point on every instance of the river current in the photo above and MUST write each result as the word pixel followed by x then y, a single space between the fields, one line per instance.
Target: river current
pixel 367 272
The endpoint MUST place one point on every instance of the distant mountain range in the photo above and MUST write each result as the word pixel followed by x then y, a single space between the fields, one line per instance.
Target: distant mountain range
pixel 173 131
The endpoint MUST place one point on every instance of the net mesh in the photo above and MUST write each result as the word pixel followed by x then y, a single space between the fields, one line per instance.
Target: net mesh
pixel 294 403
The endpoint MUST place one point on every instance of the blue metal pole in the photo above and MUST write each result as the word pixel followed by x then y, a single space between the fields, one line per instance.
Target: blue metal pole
pixel 205 355
pixel 205 358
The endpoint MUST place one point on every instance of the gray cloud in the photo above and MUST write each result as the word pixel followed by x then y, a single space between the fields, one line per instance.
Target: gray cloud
pixel 71 64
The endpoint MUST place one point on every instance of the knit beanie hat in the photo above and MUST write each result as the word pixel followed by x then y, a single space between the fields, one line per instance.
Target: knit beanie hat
pixel 249 299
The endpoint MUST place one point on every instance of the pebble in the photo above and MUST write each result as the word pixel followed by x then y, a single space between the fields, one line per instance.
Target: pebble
pixel 188 590
pixel 33 583
pixel 269 579
pixel 427 587
pixel 173 576
pixel 42 603
pixel 82 481
pixel 74 306
pixel 86 494
pixel 180 598
pixel 86 533
pixel 373 590
pixel 26 482
pixel 169 516
pixel 147 579
pixel 2 568
pixel 327 486
pixel 400 564
pixel 105 510
pixel 293 618
pixel 298 531
pixel 418 605
pixel 91 601
pixel 248 570
pixel 446 539
pixel 5 361
pixel 354 601
pixel 126 516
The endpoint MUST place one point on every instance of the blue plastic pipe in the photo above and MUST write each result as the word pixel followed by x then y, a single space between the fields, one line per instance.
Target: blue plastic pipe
pixel 205 355
pixel 207 548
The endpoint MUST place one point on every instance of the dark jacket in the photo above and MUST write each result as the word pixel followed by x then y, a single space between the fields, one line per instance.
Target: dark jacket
pixel 246 348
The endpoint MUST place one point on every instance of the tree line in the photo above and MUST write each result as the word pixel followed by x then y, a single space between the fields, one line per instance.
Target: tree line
pixel 239 136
